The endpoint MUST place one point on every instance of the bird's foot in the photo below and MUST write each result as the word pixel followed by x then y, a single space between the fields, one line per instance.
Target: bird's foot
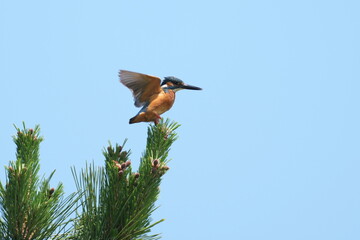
pixel 156 121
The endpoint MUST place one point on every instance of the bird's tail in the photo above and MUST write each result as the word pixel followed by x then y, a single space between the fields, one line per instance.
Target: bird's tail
pixel 145 117
pixel 132 120
pixel 137 118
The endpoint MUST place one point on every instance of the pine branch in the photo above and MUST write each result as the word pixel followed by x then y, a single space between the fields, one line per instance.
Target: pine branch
pixel 118 202
pixel 30 209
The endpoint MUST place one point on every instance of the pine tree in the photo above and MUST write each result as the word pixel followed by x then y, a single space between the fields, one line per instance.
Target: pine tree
pixel 111 202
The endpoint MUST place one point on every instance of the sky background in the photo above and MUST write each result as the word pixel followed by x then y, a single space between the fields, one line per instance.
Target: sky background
pixel 268 150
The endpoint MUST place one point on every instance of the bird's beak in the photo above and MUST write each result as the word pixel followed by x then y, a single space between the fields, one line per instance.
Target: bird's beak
pixel 190 87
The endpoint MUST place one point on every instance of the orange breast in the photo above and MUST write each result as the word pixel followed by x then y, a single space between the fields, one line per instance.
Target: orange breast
pixel 161 102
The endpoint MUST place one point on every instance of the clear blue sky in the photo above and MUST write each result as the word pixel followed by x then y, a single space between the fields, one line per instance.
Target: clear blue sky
pixel 270 149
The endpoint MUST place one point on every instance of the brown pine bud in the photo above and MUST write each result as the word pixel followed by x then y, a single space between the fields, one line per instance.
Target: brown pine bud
pixel 51 191
pixel 137 175
pixel 118 165
pixel 153 170
pixel 31 131
pixel 123 166
pixel 121 172
pixel 128 163
pixel 118 148
pixel 156 162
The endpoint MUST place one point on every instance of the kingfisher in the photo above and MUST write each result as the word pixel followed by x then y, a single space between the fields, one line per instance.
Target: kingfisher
pixel 153 95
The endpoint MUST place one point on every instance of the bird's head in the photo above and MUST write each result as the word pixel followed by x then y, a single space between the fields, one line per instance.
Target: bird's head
pixel 176 84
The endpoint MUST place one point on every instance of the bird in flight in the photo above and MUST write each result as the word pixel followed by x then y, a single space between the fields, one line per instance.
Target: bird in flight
pixel 153 95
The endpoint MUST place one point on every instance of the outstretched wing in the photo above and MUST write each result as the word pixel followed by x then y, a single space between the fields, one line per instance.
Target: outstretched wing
pixel 142 86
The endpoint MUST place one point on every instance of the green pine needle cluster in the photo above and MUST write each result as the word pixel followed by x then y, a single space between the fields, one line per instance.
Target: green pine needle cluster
pixel 112 202
pixel 30 208
pixel 117 202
